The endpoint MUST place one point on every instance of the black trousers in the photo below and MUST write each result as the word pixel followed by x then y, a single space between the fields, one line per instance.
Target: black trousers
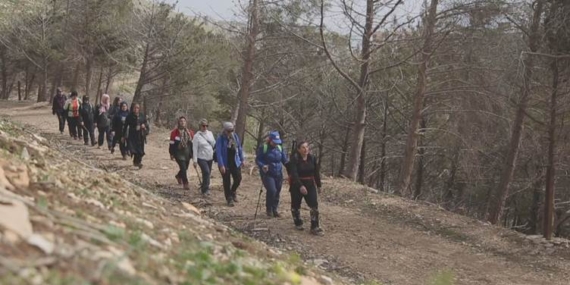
pixel 89 132
pixel 183 172
pixel 74 127
pixel 102 133
pixel 61 120
pixel 232 172
pixel 122 145
pixel 311 199
pixel 137 159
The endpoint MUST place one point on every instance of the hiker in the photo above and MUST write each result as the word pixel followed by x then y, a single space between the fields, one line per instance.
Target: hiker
pixel 58 107
pixel 181 150
pixel 102 121
pixel 72 107
pixel 117 124
pixel 305 182
pixel 204 144
pixel 87 121
pixel 135 131
pixel 270 158
pixel 229 154
pixel 115 108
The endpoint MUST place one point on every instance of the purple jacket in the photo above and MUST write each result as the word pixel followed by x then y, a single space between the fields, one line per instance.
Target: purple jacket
pixel 58 103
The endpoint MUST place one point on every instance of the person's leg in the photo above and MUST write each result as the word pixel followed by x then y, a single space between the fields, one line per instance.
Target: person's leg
pixel 182 173
pixel 85 132
pixel 205 169
pixel 109 137
pixel 101 136
pixel 312 201
pixel 236 175
pixel 61 121
pixel 79 128
pixel 278 186
pixel 73 127
pixel 92 135
pixel 270 190
pixel 226 177
pixel 296 199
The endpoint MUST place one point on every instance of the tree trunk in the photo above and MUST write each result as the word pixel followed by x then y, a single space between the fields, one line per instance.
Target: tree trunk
pixel 76 76
pixel 382 185
pixel 361 107
pixel 4 94
pixel 421 153
pixel 344 152
pixel 56 81
pixel 109 79
pixel 88 75
pixel 551 168
pixel 142 77
pixel 448 192
pixel 99 90
pixel 516 134
pixel 247 72
pixel 361 172
pixel 43 85
pixel 19 91
pixel 535 208
pixel 412 139
pixel 29 83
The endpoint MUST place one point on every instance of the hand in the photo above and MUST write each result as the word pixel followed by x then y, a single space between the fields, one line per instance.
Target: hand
pixel 82 123
pixel 304 190
pixel 265 168
pixel 123 140
pixel 195 164
pixel 172 157
pixel 244 164
pixel 112 133
pixel 222 170
pixel 143 126
pixel 95 125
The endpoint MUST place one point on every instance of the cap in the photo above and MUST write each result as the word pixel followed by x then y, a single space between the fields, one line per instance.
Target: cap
pixel 228 126
pixel 275 137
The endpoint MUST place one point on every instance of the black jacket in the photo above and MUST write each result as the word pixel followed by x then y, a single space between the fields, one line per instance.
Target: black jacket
pixel 87 113
pixel 300 169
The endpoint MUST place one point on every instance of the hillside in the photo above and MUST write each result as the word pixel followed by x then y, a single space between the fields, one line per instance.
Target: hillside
pixel 64 221
pixel 96 208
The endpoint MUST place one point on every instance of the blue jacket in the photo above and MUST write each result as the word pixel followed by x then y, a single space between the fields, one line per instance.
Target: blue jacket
pixel 222 150
pixel 274 157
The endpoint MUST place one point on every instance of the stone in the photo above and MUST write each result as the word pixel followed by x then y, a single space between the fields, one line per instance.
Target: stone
pixel 25 155
pixel 148 224
pixel 191 208
pixel 42 243
pixel 152 241
pixel 18 176
pixel 325 280
pixel 14 217
pixel 94 202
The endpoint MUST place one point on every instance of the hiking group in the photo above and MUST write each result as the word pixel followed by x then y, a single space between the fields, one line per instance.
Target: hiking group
pixel 117 125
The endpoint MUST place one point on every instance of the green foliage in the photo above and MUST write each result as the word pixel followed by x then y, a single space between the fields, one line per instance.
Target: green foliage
pixel 445 277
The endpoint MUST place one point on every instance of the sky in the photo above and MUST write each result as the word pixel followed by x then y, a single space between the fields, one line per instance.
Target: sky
pixel 226 10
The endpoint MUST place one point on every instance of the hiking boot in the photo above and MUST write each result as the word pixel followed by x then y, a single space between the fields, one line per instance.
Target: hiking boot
pixel 112 150
pixel 140 165
pixel 86 143
pixel 235 198
pixel 124 157
pixel 206 194
pixel 276 214
pixel 230 203
pixel 269 213
pixel 98 147
pixel 186 186
pixel 317 232
pixel 93 143
pixel 299 227
pixel 178 179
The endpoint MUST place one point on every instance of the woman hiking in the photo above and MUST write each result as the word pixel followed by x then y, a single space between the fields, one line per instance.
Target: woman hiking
pixel 230 158
pixel 117 124
pixel 87 122
pixel 270 158
pixel 305 182
pixel 181 150
pixel 204 144
pixel 58 108
pixel 134 132
pixel 72 107
pixel 115 107
pixel 102 121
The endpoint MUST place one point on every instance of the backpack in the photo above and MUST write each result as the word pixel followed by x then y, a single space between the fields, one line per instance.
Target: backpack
pixel 266 147
pixel 74 108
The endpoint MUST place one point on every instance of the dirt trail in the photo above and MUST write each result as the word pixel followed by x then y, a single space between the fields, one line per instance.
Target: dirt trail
pixel 368 236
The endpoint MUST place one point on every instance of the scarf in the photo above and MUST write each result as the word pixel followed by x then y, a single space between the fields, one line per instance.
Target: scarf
pixel 105 105
pixel 184 137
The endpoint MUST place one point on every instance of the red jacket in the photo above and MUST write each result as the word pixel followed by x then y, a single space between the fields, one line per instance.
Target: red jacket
pixel 175 141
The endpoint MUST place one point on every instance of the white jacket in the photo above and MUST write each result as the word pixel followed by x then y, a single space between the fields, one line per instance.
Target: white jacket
pixel 203 145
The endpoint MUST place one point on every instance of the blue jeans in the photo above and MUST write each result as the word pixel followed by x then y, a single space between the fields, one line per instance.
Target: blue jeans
pixel 273 186
pixel 206 168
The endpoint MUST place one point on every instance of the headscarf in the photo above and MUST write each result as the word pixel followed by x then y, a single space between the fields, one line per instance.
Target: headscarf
pixel 184 136
pixel 105 103
pixel 121 112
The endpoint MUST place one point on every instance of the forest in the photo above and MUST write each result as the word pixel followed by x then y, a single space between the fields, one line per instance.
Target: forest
pixel 462 103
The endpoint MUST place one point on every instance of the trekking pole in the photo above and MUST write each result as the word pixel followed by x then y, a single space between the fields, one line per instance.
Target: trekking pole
pixel 258 198
pixel 198 173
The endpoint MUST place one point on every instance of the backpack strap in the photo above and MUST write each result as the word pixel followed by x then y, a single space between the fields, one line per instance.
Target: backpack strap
pixel 266 147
